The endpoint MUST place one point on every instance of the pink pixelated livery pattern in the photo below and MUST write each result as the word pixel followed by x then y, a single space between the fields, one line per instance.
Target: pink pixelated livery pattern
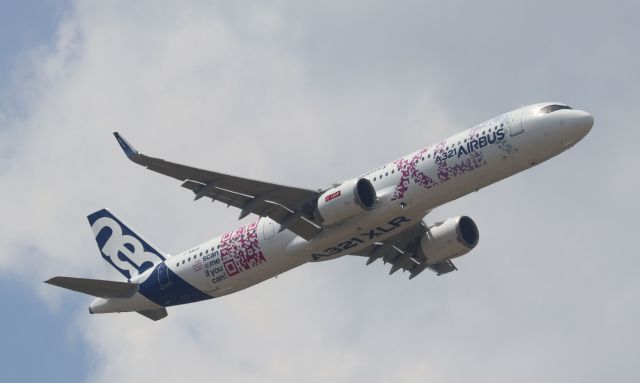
pixel 408 169
pixel 240 251
pixel 408 166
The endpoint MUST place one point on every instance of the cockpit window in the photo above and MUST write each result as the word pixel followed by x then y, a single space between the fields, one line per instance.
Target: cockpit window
pixel 552 108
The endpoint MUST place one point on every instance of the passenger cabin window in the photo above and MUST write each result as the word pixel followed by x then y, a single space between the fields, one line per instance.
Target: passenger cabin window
pixel 552 108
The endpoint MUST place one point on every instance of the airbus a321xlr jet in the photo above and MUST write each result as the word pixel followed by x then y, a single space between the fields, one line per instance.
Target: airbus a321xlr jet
pixel 377 215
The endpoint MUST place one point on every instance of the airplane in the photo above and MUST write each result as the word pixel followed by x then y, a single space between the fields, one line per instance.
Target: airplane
pixel 376 215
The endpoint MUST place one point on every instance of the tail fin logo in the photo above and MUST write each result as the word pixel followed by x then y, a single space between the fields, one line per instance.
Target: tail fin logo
pixel 121 247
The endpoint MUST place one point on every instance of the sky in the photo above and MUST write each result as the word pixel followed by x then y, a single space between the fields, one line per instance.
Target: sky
pixel 306 94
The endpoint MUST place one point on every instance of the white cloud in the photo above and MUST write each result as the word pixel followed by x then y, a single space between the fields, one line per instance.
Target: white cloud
pixel 308 95
pixel 209 87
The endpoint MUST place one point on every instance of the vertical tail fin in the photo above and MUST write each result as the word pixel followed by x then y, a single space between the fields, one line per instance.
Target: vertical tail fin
pixel 123 249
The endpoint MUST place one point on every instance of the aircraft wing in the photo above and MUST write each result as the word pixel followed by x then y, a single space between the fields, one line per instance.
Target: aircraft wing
pixel 401 251
pixel 291 207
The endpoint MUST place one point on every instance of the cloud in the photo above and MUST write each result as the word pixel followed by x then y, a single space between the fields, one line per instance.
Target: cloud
pixel 308 94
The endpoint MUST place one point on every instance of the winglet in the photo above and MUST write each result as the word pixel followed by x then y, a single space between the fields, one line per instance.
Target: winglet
pixel 129 150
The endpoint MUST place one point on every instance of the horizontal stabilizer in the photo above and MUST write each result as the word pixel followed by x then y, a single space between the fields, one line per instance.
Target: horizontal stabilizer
pixel 95 287
pixel 154 314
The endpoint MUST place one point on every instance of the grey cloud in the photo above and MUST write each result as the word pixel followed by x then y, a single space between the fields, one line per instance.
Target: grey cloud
pixel 311 93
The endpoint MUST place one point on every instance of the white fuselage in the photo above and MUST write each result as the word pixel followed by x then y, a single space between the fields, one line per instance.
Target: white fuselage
pixel 407 189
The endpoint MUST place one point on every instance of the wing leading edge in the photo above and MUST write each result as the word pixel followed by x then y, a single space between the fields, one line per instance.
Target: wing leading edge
pixel 291 207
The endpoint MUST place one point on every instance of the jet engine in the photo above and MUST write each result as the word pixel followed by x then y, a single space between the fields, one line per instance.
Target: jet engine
pixel 345 201
pixel 449 239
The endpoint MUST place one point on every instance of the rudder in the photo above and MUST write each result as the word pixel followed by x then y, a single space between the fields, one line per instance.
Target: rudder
pixel 121 247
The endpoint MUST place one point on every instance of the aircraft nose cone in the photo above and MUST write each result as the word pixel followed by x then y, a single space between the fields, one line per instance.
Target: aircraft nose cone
pixel 582 122
pixel 585 121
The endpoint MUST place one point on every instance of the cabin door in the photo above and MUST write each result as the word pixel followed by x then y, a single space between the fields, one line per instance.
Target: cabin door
pixel 515 123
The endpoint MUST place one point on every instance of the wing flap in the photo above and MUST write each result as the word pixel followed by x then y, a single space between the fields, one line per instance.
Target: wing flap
pixel 96 287
pixel 443 267
pixel 304 228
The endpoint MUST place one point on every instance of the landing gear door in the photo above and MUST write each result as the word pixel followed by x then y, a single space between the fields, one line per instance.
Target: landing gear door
pixel 515 122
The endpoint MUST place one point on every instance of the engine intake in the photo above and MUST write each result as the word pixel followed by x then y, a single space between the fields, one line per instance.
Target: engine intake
pixel 449 239
pixel 345 201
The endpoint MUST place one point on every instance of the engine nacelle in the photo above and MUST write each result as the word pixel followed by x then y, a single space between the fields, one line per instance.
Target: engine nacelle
pixel 345 201
pixel 449 239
